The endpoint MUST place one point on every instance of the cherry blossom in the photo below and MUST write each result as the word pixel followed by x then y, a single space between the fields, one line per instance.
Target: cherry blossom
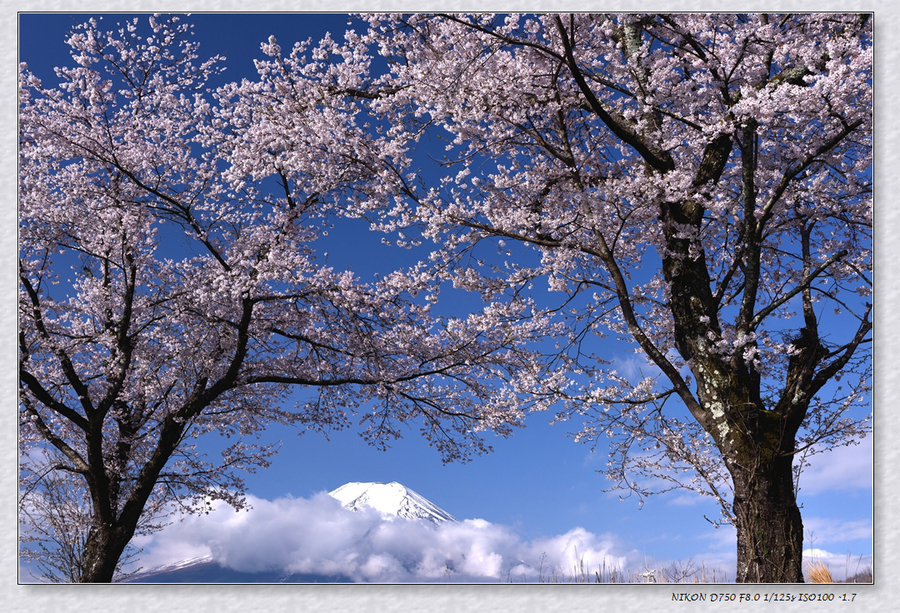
pixel 170 290
pixel 688 182
pixel 694 184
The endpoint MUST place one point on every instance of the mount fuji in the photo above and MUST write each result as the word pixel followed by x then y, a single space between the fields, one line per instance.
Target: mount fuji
pixel 392 500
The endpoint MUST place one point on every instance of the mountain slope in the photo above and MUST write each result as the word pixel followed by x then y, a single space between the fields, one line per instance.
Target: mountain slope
pixel 207 570
pixel 390 499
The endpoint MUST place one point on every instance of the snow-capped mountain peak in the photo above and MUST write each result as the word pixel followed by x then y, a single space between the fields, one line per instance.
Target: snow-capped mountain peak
pixel 174 567
pixel 390 499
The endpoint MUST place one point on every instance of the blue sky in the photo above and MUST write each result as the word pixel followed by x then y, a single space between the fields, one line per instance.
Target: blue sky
pixel 538 485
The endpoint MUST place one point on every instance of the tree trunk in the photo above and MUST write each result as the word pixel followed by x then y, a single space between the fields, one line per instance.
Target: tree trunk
pixel 768 522
pixel 103 550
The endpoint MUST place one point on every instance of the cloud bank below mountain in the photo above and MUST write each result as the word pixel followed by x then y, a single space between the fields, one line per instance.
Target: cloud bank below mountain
pixel 319 536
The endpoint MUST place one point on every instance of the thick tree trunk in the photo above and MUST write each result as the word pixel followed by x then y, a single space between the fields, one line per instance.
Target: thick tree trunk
pixel 768 522
pixel 103 550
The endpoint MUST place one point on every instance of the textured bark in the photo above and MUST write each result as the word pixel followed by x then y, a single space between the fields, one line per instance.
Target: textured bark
pixel 103 550
pixel 768 522
pixel 756 443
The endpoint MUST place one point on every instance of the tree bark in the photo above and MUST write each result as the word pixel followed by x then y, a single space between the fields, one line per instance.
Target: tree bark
pixel 756 442
pixel 103 550
pixel 768 522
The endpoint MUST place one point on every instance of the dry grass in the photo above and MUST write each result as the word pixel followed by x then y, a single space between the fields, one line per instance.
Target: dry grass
pixel 863 576
pixel 817 572
pixel 676 572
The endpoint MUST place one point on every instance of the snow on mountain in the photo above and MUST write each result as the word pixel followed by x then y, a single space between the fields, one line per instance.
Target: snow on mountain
pixel 390 499
pixel 176 566
pixel 206 570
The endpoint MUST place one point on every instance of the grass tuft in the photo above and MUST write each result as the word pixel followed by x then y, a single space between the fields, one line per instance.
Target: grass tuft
pixel 817 572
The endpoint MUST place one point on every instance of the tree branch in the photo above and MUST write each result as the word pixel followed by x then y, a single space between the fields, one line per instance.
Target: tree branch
pixel 757 319
pixel 829 371
pixel 658 160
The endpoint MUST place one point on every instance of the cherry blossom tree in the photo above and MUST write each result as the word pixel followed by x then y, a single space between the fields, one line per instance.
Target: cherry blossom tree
pixel 169 289
pixel 692 183
pixel 55 521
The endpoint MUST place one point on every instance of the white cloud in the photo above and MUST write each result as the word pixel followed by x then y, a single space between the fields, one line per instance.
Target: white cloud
pixel 820 530
pixel 687 499
pixel 841 469
pixel 635 367
pixel 319 536
pixel 839 565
